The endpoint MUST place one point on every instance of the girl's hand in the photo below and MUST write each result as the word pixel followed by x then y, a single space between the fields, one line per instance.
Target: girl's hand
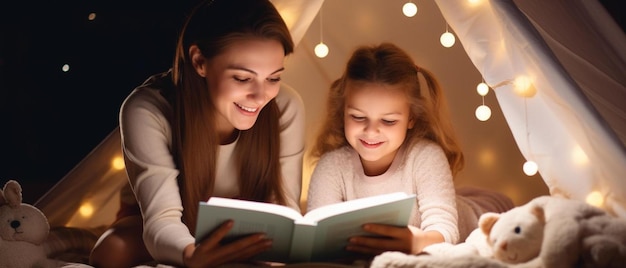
pixel 210 253
pixel 409 240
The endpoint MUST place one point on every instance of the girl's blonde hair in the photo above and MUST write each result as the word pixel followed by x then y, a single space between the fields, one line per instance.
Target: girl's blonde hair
pixel 388 64
pixel 213 26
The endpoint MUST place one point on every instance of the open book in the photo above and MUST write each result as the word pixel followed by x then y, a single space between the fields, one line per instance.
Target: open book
pixel 320 235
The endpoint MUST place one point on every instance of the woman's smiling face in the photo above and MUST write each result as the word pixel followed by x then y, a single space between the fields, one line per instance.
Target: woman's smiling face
pixel 243 79
pixel 376 121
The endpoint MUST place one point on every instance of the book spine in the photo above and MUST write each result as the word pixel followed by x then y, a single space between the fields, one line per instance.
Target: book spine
pixel 302 242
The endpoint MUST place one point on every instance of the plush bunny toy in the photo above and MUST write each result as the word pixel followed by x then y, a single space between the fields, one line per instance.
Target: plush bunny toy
pixel 23 229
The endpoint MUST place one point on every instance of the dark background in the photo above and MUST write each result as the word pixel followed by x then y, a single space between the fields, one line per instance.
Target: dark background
pixel 50 119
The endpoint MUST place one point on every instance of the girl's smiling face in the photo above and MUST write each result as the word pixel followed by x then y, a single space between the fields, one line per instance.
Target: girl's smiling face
pixel 376 120
pixel 243 79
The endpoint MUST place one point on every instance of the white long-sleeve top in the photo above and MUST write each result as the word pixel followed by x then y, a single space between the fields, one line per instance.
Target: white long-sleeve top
pixel 339 176
pixel 147 146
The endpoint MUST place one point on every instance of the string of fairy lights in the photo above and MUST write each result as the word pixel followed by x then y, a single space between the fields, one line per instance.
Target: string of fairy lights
pixel 522 86
pixel 409 9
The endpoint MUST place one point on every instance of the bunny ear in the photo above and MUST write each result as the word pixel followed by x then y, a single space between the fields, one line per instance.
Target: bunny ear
pixel 3 201
pixel 13 193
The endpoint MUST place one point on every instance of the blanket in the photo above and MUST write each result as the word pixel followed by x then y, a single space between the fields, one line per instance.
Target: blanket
pixel 472 202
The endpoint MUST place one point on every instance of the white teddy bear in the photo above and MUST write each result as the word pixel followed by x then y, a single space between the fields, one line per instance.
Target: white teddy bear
pixel 501 239
pixel 516 235
pixel 23 229
pixel 546 232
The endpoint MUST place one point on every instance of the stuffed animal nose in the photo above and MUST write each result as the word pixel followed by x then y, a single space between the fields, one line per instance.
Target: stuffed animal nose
pixel 15 224
pixel 504 246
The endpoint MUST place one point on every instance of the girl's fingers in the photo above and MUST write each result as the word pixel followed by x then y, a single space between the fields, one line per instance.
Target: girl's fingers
pixel 386 230
pixel 364 249
pixel 378 244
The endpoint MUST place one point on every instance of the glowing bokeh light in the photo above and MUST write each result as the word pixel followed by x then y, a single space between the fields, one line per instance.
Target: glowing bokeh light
pixel 409 9
pixel 530 168
pixel 523 87
pixel 579 157
pixel 487 157
pixel 321 50
pixel 483 112
pixel 595 198
pixel 447 39
pixel 86 210
pixel 118 163
pixel 482 89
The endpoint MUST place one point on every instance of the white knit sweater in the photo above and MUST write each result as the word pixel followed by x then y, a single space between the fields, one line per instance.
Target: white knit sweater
pixel 424 171
pixel 147 143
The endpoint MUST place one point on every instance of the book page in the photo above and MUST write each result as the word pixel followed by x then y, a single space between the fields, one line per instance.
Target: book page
pixel 284 211
pixel 333 232
pixel 275 221
pixel 352 205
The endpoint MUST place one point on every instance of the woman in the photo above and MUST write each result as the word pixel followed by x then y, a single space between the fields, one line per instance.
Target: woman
pixel 214 125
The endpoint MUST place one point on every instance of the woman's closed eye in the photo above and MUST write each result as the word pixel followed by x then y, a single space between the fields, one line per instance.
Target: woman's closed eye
pixel 274 79
pixel 246 79
pixel 241 79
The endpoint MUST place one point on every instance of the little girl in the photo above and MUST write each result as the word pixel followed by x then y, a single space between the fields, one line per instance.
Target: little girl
pixel 386 132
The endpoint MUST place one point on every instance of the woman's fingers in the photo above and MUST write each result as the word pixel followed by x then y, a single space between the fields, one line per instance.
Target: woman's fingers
pixel 217 235
pixel 211 252
pixel 240 250
pixel 248 247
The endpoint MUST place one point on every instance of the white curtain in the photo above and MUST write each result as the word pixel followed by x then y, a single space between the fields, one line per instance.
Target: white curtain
pixel 559 128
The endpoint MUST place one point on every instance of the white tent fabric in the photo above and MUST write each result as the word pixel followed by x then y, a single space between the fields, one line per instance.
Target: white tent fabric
pixel 88 196
pixel 577 109
pixel 559 128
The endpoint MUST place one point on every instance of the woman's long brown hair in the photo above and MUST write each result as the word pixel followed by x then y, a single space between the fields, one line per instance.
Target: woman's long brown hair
pixel 213 26
pixel 388 64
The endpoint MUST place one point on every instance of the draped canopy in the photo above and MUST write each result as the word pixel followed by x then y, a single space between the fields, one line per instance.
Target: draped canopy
pixel 573 126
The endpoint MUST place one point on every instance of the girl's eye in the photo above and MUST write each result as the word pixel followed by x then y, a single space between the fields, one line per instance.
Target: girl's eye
pixel 389 122
pixel 274 79
pixel 240 79
pixel 357 118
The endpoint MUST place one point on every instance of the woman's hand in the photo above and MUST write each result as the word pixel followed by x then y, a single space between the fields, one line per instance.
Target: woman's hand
pixel 410 240
pixel 210 253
